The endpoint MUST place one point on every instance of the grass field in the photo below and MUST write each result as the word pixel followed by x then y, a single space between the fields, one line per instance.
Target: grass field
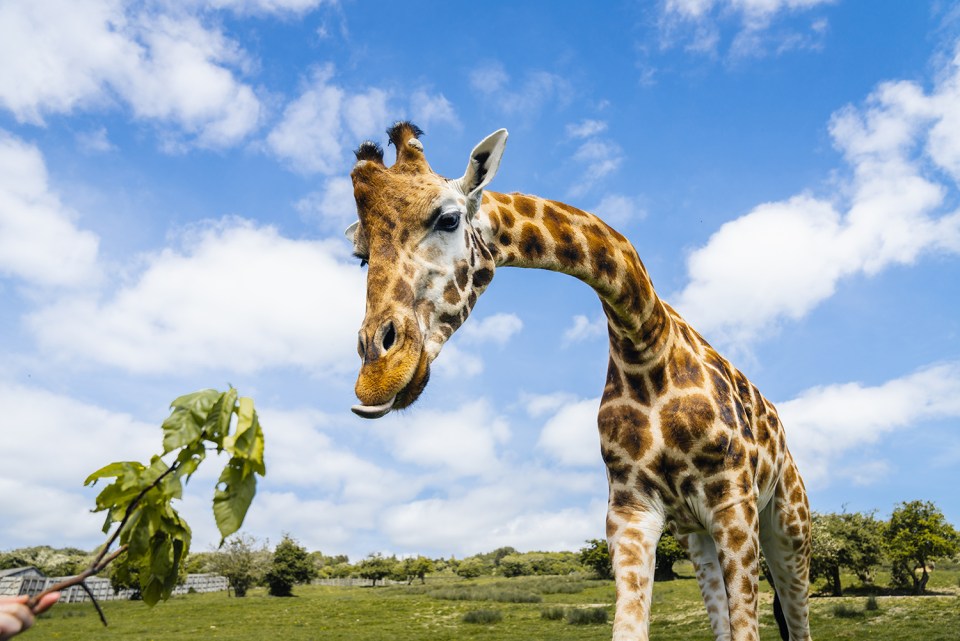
pixel 521 609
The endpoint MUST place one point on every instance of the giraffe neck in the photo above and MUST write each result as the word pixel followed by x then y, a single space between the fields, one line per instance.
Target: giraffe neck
pixel 532 232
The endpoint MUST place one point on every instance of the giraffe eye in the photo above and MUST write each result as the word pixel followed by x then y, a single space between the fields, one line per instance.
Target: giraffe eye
pixel 447 221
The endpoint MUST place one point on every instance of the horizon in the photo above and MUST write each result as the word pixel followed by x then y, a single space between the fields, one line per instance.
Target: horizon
pixel 174 189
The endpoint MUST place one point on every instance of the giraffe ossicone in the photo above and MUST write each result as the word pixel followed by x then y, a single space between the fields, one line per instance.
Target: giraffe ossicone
pixel 688 442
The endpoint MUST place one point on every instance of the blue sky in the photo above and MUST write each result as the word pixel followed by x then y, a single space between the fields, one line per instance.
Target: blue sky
pixel 173 188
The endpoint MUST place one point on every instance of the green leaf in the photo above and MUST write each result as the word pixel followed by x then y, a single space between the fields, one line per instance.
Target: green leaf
pixel 181 428
pixel 113 470
pixel 247 441
pixel 217 425
pixel 231 501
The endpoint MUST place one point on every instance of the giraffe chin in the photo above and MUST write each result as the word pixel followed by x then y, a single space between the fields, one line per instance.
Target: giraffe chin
pixel 402 399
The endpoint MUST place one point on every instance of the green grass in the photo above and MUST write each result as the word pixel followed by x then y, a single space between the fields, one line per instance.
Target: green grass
pixel 408 613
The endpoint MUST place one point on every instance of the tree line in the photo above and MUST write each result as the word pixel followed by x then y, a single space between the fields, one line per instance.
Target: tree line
pixel 908 545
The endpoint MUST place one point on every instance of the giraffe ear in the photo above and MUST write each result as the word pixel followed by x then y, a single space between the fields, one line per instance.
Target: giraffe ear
pixel 351 231
pixel 482 167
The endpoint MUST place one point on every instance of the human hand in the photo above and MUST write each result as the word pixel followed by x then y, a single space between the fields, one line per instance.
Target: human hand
pixel 16 616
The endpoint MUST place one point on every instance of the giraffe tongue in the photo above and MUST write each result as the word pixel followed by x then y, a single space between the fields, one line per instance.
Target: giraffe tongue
pixel 373 411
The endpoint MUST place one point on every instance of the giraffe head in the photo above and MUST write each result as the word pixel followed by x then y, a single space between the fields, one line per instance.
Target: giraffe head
pixel 419 233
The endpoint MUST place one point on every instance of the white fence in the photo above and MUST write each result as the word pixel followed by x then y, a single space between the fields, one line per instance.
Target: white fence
pixel 101 589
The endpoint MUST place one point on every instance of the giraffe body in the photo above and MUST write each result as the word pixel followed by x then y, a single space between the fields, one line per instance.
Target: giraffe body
pixel 688 442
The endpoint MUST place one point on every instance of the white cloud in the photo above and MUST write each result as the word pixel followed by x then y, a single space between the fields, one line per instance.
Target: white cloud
pixel 237 297
pixel 247 7
pixel 783 258
pixel 455 362
pixel 95 141
pixel 461 442
pixel 323 121
pixel 39 241
pixel 537 90
pixel 427 110
pixel 699 23
pixel 496 328
pixel 539 404
pixel 490 517
pixel 61 56
pixel 570 436
pixel 586 128
pixel 51 443
pixel 826 424
pixel 599 158
pixel 332 208
pixel 585 329
pixel 618 210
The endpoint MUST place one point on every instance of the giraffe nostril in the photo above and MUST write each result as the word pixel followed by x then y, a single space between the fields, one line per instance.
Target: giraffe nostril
pixel 389 336
pixel 361 347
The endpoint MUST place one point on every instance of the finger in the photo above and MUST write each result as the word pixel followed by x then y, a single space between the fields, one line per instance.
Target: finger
pixel 45 602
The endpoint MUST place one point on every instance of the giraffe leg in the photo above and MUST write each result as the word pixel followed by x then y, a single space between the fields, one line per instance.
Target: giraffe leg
pixel 785 539
pixel 703 553
pixel 738 550
pixel 632 537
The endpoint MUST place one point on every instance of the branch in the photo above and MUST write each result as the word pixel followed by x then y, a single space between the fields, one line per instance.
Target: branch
pixel 102 560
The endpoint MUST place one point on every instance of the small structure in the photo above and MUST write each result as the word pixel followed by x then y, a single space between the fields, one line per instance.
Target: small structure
pixel 31 581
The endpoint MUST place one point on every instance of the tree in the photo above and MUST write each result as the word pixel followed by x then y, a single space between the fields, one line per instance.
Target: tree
pixel 377 567
pixel 850 540
pixel 515 565
pixel 242 561
pixel 417 567
pixel 290 566
pixel 471 568
pixel 596 556
pixel 668 553
pixel 916 534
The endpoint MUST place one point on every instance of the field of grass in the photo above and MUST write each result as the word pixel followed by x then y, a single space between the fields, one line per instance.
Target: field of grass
pixel 521 609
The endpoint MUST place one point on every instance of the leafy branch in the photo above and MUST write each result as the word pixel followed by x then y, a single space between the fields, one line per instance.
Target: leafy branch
pixel 153 538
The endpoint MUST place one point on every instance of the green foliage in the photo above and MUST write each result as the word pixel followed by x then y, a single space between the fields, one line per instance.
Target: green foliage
pixel 851 540
pixel 483 616
pixel 845 611
pixel 242 561
pixel 555 613
pixel 51 561
pixel 472 567
pixel 291 566
pixel 140 498
pixel 596 556
pixel 413 568
pixel 376 567
pixel 668 553
pixel 916 534
pixel 587 616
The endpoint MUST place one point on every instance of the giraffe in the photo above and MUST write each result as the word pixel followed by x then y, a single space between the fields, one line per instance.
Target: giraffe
pixel 688 442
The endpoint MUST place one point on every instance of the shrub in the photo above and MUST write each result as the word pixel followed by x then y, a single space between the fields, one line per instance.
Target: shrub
pixel 553 614
pixel 586 616
pixel 844 611
pixel 871 604
pixel 483 616
pixel 291 566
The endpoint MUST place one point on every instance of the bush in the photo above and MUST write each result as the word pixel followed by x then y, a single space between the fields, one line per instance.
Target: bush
pixel 844 611
pixel 553 614
pixel 586 616
pixel 871 605
pixel 483 616
pixel 291 566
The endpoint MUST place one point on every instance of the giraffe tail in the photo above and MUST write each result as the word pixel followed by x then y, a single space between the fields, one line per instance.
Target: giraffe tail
pixel 778 615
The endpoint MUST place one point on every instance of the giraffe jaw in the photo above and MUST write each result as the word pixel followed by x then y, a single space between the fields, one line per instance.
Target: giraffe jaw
pixel 373 411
